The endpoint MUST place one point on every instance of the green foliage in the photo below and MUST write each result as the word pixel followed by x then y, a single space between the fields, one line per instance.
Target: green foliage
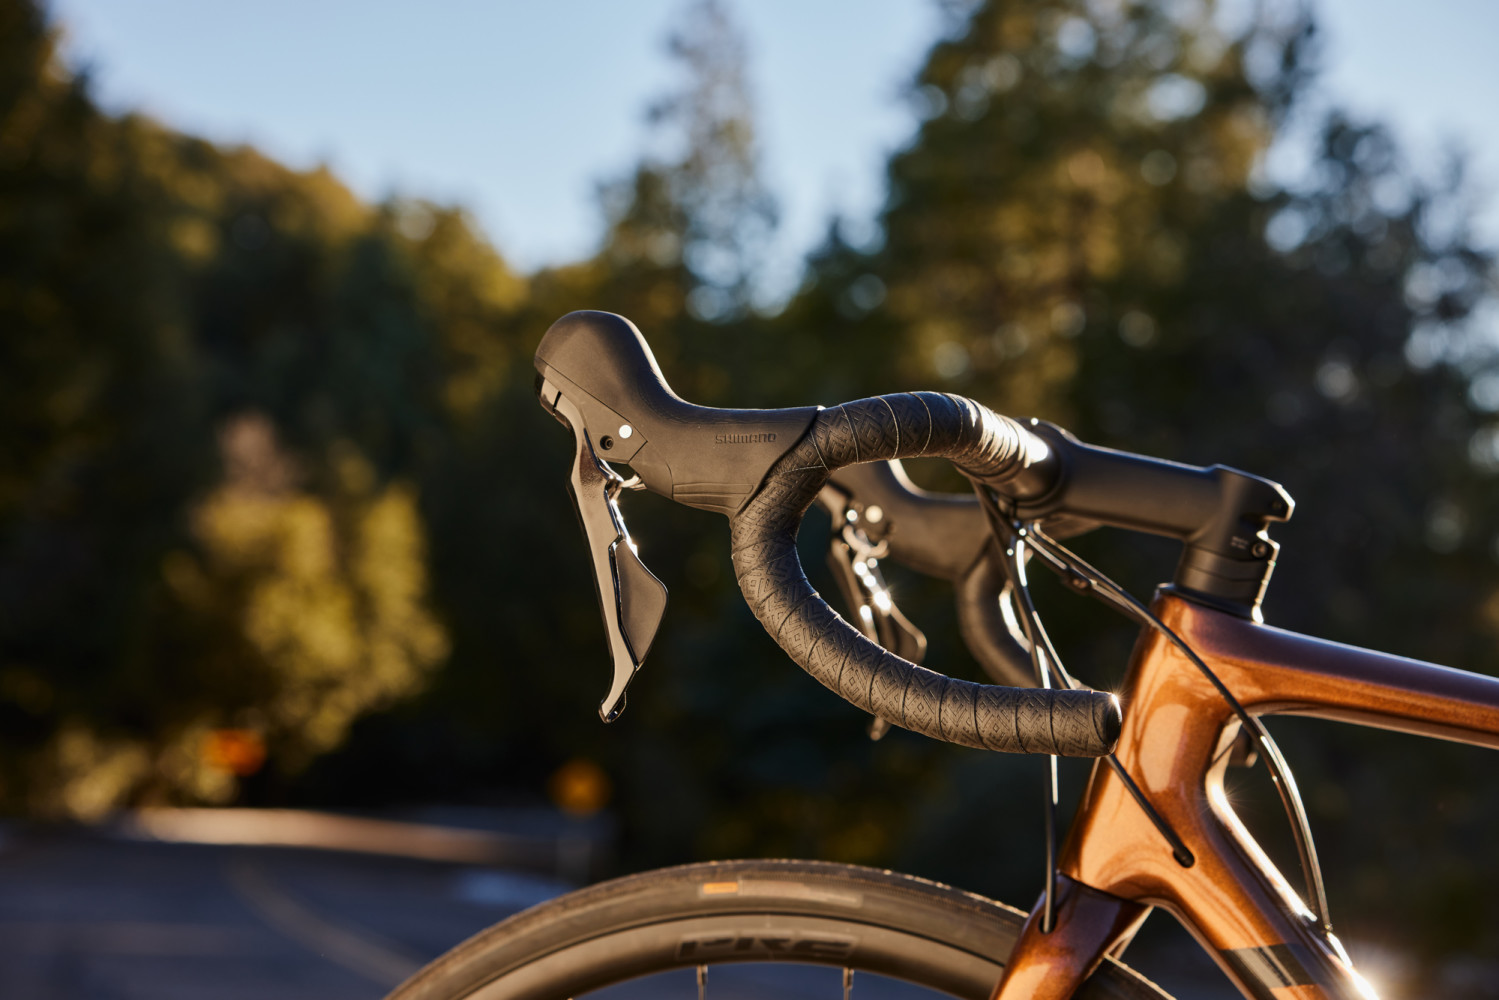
pixel 272 456
pixel 1079 233
pixel 218 382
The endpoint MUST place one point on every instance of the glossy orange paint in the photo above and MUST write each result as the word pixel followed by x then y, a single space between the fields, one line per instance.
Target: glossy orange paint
pixel 1177 734
pixel 1088 923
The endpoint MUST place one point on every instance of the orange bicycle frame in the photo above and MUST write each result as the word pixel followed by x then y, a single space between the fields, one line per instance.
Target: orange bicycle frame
pixel 1175 744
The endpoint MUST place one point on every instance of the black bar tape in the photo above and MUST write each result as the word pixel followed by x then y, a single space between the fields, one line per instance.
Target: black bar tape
pixel 981 443
pixel 991 448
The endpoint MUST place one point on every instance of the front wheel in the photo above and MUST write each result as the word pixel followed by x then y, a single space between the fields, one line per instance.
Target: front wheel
pixel 683 922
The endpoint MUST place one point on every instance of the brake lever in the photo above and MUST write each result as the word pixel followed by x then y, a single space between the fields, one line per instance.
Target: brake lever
pixel 597 376
pixel 631 598
pixel 854 560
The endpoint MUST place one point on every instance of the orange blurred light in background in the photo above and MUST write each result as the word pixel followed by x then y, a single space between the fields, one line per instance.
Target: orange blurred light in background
pixel 238 751
pixel 580 787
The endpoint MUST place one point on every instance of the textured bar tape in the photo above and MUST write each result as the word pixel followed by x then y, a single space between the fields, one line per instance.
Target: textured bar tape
pixel 984 445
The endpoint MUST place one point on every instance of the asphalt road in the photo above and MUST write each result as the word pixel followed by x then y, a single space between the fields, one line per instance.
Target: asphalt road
pixel 95 915
pixel 86 916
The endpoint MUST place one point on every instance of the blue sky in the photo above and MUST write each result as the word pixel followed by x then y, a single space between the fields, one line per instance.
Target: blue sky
pixel 518 109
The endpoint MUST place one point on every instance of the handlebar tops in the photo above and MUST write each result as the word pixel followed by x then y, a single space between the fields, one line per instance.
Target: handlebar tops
pixel 764 468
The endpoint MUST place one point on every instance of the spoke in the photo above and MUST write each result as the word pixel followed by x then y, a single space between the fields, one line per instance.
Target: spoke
pixel 848 983
pixel 702 982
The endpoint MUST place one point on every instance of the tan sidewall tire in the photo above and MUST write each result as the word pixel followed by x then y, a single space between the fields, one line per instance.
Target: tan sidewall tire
pixel 804 911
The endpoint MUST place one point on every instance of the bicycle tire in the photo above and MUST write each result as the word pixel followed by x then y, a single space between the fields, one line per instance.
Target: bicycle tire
pixel 747 911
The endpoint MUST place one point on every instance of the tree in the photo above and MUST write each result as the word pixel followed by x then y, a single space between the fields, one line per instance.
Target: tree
pixel 272 455
pixel 219 377
pixel 681 233
pixel 1079 231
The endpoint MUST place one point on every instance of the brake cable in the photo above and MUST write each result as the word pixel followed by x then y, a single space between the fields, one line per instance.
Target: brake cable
pixel 1042 663
pixel 1082 576
pixel 1013 536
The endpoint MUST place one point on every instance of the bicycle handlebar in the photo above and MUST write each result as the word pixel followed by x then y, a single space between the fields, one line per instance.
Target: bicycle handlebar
pixel 939 534
pixel 944 535
pixel 986 446
pixel 763 468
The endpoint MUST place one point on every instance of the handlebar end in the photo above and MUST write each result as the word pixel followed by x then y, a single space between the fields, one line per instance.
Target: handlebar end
pixel 1110 721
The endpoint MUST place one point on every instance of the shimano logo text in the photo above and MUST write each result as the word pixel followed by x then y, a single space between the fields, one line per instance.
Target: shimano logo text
pixel 743 438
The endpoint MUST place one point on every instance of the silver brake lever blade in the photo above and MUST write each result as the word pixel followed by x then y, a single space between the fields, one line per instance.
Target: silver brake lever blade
pixel 855 565
pixel 632 600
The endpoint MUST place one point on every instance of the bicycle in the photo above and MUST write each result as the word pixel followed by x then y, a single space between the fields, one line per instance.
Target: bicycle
pixel 1154 828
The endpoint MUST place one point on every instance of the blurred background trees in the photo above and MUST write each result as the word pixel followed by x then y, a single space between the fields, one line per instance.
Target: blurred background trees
pixel 273 472
pixel 1080 232
pixel 219 376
